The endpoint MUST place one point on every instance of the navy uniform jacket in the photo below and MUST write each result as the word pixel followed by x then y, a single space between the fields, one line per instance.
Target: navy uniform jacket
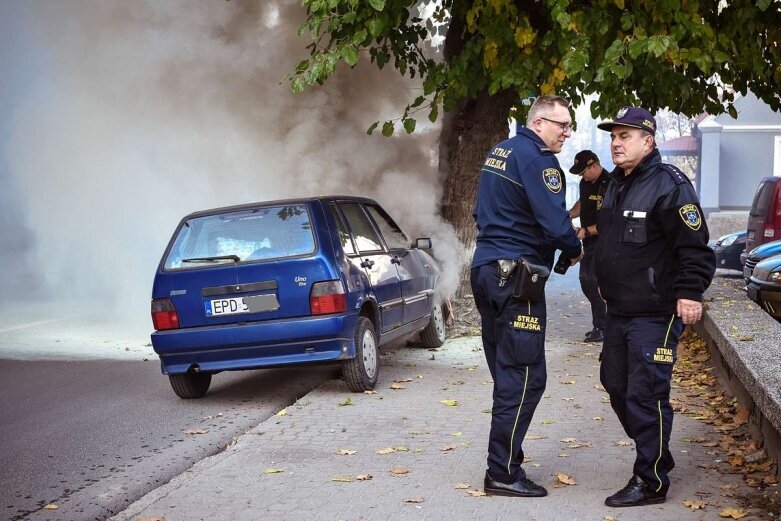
pixel 520 209
pixel 653 242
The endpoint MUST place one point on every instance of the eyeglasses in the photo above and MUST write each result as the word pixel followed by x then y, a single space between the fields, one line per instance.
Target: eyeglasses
pixel 566 127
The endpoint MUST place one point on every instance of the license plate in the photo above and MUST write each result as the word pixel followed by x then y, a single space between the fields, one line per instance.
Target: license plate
pixel 238 305
pixel 747 272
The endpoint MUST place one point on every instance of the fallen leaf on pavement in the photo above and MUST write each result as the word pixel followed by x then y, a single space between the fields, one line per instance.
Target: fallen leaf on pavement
pixel 395 386
pixel 565 479
pixel 342 479
pixel 389 450
pixel 623 443
pixel 400 448
pixel 732 512
pixel 346 452
pixel 459 433
pixel 598 418
pixel 694 505
pixel 449 403
pixel 51 506
pixel 611 518
pixel 155 518
pixel 461 486
pixel 347 401
pixel 399 471
pixel 282 412
pixel 475 493
pixel 370 392
pixel 534 437
pixel 402 380
pixel 568 440
pixel 599 387
pixel 416 499
pixel 547 422
pixel 447 448
pixel 567 382
pixel 363 477
pixel 196 431
pixel 272 470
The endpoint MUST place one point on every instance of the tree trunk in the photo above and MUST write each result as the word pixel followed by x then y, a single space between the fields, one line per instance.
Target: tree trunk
pixel 468 132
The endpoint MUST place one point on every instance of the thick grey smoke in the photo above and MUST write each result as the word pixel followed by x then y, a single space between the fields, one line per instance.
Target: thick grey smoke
pixel 120 117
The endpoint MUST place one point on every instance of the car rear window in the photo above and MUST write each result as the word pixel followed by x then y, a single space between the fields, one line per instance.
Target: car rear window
pixel 274 232
pixel 762 199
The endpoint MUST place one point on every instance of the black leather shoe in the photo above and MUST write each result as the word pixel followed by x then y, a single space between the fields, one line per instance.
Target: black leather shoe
pixel 595 335
pixel 524 487
pixel 635 494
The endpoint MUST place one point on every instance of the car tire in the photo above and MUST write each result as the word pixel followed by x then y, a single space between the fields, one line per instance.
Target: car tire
pixel 361 372
pixel 190 385
pixel 434 333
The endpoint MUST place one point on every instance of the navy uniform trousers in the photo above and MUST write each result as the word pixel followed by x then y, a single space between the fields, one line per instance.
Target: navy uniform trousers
pixel 588 283
pixel 514 345
pixel 637 364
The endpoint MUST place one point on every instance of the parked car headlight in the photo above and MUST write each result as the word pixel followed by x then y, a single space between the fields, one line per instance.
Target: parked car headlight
pixel 728 240
pixel 774 276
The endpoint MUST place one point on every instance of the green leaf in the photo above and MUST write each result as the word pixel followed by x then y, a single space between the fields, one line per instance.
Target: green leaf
pixel 636 47
pixel 409 125
pixel 379 5
pixel 657 45
pixel 371 128
pixel 348 17
pixel 387 128
pixel 432 116
pixel 350 55
pixel 375 26
pixel 360 36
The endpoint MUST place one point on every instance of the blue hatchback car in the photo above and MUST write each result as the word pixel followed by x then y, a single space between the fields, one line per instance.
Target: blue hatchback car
pixel 299 281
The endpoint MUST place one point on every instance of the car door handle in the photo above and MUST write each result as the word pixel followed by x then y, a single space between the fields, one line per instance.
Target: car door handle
pixel 368 263
pixel 396 259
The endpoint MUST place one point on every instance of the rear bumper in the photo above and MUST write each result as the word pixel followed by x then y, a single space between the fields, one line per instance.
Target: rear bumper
pixel 256 344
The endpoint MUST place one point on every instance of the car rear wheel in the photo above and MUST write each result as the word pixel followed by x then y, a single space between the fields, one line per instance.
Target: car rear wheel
pixel 361 372
pixel 190 385
pixel 434 333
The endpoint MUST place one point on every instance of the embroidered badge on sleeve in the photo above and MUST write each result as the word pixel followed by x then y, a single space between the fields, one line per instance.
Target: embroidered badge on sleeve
pixel 691 216
pixel 552 178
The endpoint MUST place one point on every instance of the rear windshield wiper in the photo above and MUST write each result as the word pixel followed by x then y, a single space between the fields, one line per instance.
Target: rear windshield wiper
pixel 217 258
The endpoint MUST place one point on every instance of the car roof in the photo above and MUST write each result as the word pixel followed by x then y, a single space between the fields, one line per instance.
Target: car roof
pixel 280 202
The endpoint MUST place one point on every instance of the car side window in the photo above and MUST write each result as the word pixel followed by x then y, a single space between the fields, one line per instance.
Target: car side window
pixel 394 237
pixel 341 230
pixel 366 239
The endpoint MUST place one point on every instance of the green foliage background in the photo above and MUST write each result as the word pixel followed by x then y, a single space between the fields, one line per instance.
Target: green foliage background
pixel 686 55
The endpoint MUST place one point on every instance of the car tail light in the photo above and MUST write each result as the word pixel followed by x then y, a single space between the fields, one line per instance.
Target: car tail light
pixel 164 314
pixel 769 231
pixel 327 297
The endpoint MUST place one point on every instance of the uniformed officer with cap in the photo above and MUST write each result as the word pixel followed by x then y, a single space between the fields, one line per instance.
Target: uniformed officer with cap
pixel 592 190
pixel 520 214
pixel 653 265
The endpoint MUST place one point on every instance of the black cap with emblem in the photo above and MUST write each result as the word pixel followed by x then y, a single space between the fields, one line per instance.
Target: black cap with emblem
pixel 583 159
pixel 636 117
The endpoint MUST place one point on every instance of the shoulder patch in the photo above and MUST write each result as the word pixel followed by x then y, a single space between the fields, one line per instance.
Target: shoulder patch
pixel 552 179
pixel 691 216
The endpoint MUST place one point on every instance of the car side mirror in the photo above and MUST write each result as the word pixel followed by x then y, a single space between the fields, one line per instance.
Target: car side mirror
pixel 423 243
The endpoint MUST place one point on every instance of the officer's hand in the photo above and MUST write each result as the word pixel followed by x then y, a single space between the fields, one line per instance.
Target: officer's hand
pixel 581 233
pixel 575 260
pixel 689 310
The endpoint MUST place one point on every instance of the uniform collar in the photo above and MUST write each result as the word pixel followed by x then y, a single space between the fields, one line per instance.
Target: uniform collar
pixel 535 138
pixel 646 164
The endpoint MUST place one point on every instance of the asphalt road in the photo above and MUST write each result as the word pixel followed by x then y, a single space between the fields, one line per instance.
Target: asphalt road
pixel 91 436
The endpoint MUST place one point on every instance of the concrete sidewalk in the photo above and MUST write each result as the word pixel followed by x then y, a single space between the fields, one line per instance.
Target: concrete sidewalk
pixel 426 457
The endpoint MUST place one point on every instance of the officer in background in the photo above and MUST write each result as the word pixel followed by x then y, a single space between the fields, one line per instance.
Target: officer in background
pixel 520 213
pixel 592 190
pixel 653 265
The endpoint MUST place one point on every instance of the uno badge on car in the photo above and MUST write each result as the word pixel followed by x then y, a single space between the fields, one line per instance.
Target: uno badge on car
pixel 552 178
pixel 691 216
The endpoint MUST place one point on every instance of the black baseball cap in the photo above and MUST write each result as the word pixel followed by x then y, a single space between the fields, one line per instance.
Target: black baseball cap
pixel 636 117
pixel 583 159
